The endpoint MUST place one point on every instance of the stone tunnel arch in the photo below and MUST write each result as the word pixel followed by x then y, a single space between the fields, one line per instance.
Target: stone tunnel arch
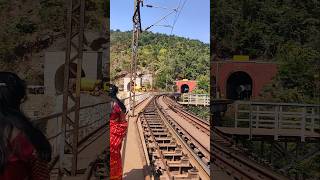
pixel 239 86
pixel 185 88
pixel 59 77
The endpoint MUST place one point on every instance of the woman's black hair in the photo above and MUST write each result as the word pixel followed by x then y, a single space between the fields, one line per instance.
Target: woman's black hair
pixel 12 92
pixel 113 91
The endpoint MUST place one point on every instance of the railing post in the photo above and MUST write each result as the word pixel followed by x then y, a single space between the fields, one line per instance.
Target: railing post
pixel 196 97
pixel 303 124
pixel 257 116
pixel 250 121
pixel 276 124
pixel 57 139
pixel 236 115
pixel 280 117
pixel 208 100
pixel 312 119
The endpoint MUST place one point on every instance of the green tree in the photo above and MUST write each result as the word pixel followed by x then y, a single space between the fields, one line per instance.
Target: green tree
pixel 169 58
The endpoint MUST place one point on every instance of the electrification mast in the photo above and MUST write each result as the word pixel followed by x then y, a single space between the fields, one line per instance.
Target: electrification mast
pixel 135 37
pixel 71 99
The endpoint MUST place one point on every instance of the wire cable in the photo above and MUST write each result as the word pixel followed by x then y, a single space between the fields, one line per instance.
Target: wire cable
pixel 178 14
pixel 160 20
pixel 158 7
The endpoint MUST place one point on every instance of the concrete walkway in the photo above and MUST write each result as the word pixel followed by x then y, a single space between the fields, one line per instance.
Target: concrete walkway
pixel 132 152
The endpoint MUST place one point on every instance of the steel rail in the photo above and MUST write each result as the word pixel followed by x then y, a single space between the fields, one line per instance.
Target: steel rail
pixel 165 122
pixel 158 148
pixel 194 141
pixel 189 116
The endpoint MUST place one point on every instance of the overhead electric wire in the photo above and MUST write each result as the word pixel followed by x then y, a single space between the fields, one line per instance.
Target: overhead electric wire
pixel 159 7
pixel 163 25
pixel 160 20
pixel 178 14
pixel 176 10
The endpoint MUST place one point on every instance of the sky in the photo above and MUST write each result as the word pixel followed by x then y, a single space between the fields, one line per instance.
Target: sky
pixel 193 22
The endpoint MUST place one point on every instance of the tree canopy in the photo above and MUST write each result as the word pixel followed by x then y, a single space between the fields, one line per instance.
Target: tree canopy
pixel 169 58
pixel 258 27
pixel 286 32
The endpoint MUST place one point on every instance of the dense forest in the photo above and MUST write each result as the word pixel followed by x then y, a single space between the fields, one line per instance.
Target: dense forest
pixel 283 31
pixel 169 58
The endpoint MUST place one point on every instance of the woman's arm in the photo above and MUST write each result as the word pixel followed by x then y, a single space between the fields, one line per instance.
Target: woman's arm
pixel 116 109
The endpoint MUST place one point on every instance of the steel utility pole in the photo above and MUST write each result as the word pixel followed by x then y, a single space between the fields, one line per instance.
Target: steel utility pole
pixel 74 54
pixel 135 37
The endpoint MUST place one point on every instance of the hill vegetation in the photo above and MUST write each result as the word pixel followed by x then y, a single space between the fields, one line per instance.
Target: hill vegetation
pixel 169 58
pixel 286 32
pixel 27 25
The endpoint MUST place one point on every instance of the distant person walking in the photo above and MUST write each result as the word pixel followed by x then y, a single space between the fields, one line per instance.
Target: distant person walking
pixel 24 150
pixel 118 129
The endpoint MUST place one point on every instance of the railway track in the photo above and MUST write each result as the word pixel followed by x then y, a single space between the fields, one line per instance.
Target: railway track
pixel 199 123
pixel 224 154
pixel 173 152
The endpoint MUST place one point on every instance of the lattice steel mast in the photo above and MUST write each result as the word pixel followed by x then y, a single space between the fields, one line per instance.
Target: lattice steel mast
pixel 74 54
pixel 135 36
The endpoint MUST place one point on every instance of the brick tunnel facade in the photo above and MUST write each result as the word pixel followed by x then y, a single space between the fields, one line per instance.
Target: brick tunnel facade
pixel 242 80
pixel 186 86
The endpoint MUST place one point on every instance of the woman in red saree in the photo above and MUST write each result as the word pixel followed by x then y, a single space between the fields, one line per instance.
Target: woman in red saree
pixel 24 150
pixel 118 130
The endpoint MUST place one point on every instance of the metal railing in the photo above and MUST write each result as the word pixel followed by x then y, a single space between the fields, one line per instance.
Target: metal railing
pixel 195 99
pixel 92 118
pixel 139 98
pixel 277 116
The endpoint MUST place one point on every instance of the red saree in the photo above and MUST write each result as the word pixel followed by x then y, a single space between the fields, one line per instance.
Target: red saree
pixel 22 163
pixel 118 129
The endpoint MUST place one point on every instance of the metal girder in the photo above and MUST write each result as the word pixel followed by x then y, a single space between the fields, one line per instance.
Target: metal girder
pixel 135 37
pixel 71 99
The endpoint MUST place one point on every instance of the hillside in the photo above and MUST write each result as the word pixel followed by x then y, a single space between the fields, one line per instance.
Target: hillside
pixel 286 32
pixel 260 28
pixel 27 28
pixel 169 58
